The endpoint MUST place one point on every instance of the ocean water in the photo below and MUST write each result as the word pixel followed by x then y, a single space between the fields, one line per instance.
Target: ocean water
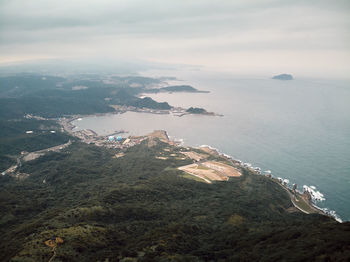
pixel 300 129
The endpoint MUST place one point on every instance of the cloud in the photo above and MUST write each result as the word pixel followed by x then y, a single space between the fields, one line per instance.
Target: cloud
pixel 192 31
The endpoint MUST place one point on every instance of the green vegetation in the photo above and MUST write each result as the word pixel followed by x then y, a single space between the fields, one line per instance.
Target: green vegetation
pixel 140 81
pixel 141 208
pixel 13 138
pixel 179 88
pixel 300 202
pixel 148 102
pixel 56 96
pixel 196 110
pixel 135 207
pixel 53 97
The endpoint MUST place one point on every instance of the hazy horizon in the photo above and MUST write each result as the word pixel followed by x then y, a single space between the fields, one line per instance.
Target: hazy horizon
pixel 247 38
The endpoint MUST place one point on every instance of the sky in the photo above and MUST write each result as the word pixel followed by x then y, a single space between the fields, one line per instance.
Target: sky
pixel 305 38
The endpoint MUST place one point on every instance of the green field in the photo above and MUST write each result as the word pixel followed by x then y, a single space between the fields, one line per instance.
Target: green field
pixel 300 202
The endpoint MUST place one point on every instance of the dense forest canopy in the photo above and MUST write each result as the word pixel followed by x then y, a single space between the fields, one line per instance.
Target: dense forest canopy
pixel 131 204
pixel 142 208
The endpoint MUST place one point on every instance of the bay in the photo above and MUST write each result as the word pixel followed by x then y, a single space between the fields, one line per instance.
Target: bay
pixel 299 129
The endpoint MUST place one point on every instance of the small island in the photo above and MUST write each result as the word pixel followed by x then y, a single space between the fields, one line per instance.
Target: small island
pixel 200 111
pixel 196 110
pixel 283 77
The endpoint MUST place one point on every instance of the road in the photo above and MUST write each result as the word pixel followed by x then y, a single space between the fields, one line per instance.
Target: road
pixel 33 155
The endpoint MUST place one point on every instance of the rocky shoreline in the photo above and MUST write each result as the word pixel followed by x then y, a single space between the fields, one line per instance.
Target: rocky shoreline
pixel 301 201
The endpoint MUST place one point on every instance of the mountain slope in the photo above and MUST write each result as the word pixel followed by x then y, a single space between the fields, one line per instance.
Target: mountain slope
pixel 141 208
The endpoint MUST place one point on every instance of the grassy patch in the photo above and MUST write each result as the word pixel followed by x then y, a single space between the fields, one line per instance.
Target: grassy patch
pixel 301 203
pixel 188 176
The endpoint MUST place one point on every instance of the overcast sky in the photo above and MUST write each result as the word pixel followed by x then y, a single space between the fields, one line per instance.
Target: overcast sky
pixel 308 38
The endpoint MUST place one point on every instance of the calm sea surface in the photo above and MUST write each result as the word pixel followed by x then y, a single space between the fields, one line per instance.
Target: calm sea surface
pixel 300 129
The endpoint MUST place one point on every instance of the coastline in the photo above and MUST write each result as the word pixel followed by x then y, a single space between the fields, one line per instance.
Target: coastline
pixel 304 198
pixel 297 198
pixel 304 202
pixel 306 195
pixel 66 121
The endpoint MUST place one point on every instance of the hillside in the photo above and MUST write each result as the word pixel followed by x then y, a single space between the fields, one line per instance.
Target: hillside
pixel 177 88
pixel 139 207
pixel 53 97
pixel 196 110
pixel 45 98
pixel 135 202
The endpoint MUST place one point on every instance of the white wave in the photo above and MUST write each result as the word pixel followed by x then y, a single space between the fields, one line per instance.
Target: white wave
pixel 210 147
pixel 180 141
pixel 220 153
pixel 331 213
pixel 227 156
pixel 247 164
pixel 257 170
pixel 315 195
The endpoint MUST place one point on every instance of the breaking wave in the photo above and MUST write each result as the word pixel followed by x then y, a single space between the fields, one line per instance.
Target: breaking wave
pixel 316 196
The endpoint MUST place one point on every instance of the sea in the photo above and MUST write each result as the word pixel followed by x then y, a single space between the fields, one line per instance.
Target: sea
pixel 299 129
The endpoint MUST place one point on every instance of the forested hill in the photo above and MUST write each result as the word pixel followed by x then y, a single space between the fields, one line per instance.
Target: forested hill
pixel 133 204
pixel 178 88
pixel 139 207
pixel 44 96
pixel 28 100
pixel 50 96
